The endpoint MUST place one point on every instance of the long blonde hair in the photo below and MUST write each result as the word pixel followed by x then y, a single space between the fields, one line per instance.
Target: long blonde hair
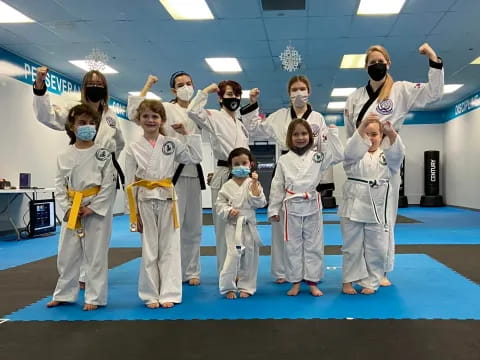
pixel 387 86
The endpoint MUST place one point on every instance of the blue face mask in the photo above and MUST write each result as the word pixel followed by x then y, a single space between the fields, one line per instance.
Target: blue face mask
pixel 86 132
pixel 240 171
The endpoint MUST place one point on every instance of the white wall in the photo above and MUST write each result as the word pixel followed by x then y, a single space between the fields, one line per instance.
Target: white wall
pixel 462 159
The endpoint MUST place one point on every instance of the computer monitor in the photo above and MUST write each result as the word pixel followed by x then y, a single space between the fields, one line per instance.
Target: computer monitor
pixel 42 217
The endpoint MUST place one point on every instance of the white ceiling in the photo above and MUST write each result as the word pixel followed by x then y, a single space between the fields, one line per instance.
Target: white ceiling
pixel 141 38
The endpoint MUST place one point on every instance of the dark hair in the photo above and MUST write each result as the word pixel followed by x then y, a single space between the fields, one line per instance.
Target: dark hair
pixel 154 105
pixel 236 87
pixel 88 77
pixel 175 75
pixel 241 151
pixel 300 78
pixel 77 111
pixel 291 129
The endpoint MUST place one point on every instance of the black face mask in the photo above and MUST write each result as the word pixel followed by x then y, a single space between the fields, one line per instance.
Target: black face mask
pixel 377 71
pixel 301 151
pixel 231 104
pixel 95 93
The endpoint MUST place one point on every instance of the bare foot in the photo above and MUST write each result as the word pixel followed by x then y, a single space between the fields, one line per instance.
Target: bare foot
pixel 281 281
pixel 81 285
pixel 294 290
pixel 348 289
pixel 385 281
pixel 244 294
pixel 230 295
pixel 367 291
pixel 167 305
pixel 90 307
pixel 194 282
pixel 54 303
pixel 154 305
pixel 315 291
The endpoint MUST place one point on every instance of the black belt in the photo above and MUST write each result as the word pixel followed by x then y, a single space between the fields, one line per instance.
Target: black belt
pixel 372 183
pixel 201 178
pixel 223 163
pixel 283 152
pixel 120 173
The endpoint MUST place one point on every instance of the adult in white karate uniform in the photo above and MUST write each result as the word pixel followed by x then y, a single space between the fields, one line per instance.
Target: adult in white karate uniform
pixel 369 164
pixel 237 201
pixel 150 164
pixel 94 92
pixel 85 185
pixel 275 126
pixel 392 101
pixel 294 189
pixel 226 132
pixel 188 178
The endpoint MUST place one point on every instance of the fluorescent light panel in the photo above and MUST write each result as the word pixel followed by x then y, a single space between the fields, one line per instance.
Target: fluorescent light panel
pixel 342 92
pixel 336 105
pixel 476 61
pixel 9 15
pixel 380 7
pixel 82 64
pixel 224 64
pixel 353 61
pixel 450 88
pixel 188 9
pixel 150 95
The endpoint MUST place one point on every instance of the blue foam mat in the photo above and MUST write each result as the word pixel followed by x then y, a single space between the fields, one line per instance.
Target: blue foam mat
pixel 423 288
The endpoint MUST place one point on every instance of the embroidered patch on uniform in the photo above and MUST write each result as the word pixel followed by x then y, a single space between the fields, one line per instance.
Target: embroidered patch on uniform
pixel 318 157
pixel 385 107
pixel 382 160
pixel 168 148
pixel 417 86
pixel 111 121
pixel 102 154
pixel 315 129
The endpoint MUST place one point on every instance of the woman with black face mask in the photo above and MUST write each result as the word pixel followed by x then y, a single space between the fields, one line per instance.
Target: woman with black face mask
pixel 227 132
pixel 385 100
pixel 94 92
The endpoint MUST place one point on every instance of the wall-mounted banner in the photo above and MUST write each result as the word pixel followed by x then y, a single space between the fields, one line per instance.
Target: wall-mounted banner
pixel 25 71
pixel 463 107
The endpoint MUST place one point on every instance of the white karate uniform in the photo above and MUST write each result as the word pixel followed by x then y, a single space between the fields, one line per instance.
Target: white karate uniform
pixel 226 134
pixel 294 189
pixel 365 210
pixel 109 133
pixel 403 97
pixel 77 170
pixel 160 278
pixel 241 236
pixel 187 187
pixel 276 126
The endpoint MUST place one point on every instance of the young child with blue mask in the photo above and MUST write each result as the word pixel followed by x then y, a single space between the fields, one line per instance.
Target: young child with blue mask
pixel 236 203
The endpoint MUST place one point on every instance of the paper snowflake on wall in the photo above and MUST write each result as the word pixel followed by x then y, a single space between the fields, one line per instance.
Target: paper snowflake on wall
pixel 290 58
pixel 96 60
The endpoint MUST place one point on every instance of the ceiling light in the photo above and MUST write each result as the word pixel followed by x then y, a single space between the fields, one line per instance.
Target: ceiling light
pixel 224 64
pixel 342 92
pixel 83 64
pixel 353 61
pixel 9 15
pixel 380 7
pixel 188 9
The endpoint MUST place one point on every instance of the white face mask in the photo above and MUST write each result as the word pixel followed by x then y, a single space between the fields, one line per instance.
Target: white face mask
pixel 185 93
pixel 299 98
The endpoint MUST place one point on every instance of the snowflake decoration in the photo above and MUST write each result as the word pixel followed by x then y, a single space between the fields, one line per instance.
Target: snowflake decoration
pixel 290 58
pixel 96 60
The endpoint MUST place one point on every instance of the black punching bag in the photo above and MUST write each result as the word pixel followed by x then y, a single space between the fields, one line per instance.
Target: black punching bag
pixel 432 195
pixel 402 199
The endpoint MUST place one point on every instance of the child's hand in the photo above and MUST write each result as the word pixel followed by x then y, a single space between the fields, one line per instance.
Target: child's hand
pixel 254 94
pixel 275 218
pixel 209 178
pixel 332 126
pixel 212 88
pixel 233 213
pixel 180 128
pixel 371 117
pixel 389 131
pixel 151 80
pixel 255 185
pixel 427 50
pixel 85 211
pixel 42 72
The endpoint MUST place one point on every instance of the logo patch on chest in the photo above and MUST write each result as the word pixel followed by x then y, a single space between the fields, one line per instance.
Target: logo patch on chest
pixel 102 154
pixel 382 160
pixel 385 107
pixel 168 148
pixel 318 157
pixel 111 121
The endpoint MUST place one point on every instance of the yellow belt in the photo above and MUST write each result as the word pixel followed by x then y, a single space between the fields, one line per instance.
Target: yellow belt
pixel 77 196
pixel 151 184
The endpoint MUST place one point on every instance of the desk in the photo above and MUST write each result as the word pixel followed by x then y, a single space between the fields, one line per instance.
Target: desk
pixel 12 194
